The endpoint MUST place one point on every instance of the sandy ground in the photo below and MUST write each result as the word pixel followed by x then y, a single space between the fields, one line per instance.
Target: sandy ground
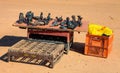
pixel 104 12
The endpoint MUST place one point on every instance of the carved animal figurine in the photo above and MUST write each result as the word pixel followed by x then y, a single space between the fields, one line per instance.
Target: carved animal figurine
pixel 79 20
pixel 73 18
pixel 29 16
pixel 74 22
pixel 41 16
pixel 59 19
pixel 21 18
pixel 48 17
pixel 63 25
pixel 69 24
pixel 55 23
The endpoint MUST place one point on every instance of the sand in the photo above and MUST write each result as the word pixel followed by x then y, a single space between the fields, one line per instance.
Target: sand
pixel 104 12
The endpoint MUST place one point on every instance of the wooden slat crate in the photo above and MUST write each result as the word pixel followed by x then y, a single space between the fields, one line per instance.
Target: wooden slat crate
pixel 33 51
pixel 98 45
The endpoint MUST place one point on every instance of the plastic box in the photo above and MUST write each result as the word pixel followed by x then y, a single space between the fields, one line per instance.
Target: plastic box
pixel 98 45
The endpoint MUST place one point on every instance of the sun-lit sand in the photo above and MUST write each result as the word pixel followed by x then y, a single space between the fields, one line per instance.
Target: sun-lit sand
pixel 104 12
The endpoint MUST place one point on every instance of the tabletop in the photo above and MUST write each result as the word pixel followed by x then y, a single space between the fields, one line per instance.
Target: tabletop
pixel 82 28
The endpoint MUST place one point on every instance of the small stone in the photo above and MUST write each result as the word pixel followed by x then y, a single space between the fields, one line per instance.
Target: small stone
pixel 85 64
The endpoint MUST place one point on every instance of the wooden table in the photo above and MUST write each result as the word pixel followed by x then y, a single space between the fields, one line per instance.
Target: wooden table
pixel 47 30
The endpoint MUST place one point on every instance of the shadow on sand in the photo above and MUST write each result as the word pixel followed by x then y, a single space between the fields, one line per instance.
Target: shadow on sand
pixel 4 57
pixel 78 47
pixel 10 40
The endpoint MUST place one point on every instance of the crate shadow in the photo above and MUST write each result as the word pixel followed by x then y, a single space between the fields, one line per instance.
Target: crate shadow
pixel 78 47
pixel 10 40
pixel 4 57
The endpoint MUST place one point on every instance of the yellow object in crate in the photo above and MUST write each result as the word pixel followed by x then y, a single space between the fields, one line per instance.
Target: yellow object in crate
pixel 96 29
pixel 107 31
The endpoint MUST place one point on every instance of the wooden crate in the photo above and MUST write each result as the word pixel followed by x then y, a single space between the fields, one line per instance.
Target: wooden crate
pixel 99 46
pixel 36 52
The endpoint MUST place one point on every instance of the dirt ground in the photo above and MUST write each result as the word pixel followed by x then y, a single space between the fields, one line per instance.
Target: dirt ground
pixel 104 12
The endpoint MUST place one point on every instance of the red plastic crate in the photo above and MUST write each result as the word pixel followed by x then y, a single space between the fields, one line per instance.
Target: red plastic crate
pixel 98 45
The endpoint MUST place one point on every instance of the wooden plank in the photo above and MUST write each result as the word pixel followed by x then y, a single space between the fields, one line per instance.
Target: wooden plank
pixel 39 45
pixel 39 61
pixel 83 28
pixel 18 45
pixel 38 48
pixel 58 57
pixel 19 58
pixel 53 47
pixel 23 59
pixel 30 46
pixel 34 60
pixel 58 49
pixel 44 48
pixel 27 59
pixel 24 45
